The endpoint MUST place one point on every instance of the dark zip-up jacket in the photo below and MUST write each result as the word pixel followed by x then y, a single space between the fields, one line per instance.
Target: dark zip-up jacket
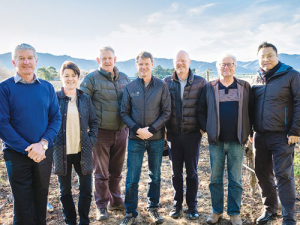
pixel 277 102
pixel 146 106
pixel 184 115
pixel 208 110
pixel 106 94
pixel 88 133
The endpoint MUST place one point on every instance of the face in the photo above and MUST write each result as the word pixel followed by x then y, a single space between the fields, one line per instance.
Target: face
pixel 226 67
pixel 107 61
pixel 267 58
pixel 182 65
pixel 69 79
pixel 144 67
pixel 25 63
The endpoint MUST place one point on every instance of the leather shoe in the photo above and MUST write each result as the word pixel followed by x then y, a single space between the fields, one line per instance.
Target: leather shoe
pixel 175 212
pixel 193 213
pixel 265 217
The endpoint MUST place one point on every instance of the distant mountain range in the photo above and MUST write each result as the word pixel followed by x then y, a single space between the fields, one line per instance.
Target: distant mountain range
pixel 128 67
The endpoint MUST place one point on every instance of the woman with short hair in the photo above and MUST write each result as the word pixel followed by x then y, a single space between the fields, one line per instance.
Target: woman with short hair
pixel 73 144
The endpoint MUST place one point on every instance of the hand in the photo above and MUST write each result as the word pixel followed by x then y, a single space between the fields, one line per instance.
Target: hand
pixel 202 132
pixel 143 133
pixel 250 139
pixel 292 139
pixel 36 152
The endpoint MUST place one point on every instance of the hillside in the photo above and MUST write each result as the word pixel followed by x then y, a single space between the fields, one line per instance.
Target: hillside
pixel 128 67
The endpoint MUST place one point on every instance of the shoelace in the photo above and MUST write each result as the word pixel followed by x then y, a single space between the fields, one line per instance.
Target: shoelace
pixel 155 214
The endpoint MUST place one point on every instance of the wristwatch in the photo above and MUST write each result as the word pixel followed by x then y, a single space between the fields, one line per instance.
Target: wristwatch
pixel 45 147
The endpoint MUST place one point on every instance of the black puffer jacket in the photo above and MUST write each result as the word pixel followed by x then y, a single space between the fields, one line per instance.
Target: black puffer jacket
pixel 106 94
pixel 209 117
pixel 88 135
pixel 277 102
pixel 184 115
pixel 146 106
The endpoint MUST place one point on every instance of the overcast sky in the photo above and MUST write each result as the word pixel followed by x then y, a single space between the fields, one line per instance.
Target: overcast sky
pixel 204 29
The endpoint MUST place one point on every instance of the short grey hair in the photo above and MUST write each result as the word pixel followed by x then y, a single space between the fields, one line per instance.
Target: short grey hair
pixel 221 57
pixel 22 46
pixel 144 55
pixel 107 48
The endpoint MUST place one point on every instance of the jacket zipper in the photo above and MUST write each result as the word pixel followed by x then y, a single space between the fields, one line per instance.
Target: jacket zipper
pixel 262 112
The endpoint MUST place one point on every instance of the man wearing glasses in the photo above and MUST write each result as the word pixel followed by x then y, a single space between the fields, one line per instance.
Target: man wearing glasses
pixel 276 90
pixel 224 113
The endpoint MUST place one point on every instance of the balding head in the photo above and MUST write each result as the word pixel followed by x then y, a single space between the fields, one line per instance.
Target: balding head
pixel 182 64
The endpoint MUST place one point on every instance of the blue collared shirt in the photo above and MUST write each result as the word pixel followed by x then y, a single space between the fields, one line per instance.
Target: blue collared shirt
pixel 17 79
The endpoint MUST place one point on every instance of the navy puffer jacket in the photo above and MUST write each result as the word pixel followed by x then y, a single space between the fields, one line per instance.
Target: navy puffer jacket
pixel 88 135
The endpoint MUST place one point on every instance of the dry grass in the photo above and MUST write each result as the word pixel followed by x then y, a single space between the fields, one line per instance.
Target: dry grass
pixel 250 210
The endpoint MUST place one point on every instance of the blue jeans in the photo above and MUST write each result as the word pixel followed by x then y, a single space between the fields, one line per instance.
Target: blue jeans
pixel 235 155
pixel 85 194
pixel 136 150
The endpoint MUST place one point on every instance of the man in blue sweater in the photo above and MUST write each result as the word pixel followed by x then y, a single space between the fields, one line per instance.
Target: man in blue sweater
pixel 29 122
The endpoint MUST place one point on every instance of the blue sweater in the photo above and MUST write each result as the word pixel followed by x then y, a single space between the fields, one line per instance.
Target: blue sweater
pixel 28 113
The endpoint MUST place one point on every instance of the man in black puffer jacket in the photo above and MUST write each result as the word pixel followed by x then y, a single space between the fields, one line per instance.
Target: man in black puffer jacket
pixel 183 132
pixel 105 86
pixel 146 107
pixel 276 89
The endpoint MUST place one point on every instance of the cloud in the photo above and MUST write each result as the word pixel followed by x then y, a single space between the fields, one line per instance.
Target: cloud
pixel 174 7
pixel 198 10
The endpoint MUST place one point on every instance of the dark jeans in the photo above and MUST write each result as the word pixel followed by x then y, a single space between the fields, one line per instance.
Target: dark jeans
pixel 274 155
pixel 85 194
pixel 136 150
pixel 185 150
pixel 109 155
pixel 29 183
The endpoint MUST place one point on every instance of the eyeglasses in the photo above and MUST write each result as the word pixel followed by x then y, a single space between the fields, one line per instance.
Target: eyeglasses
pixel 266 56
pixel 229 65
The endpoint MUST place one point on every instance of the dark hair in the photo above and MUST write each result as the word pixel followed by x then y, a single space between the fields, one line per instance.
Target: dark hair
pixel 144 55
pixel 69 65
pixel 266 45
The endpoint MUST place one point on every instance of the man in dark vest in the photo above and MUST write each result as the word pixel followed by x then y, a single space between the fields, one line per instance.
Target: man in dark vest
pixel 105 86
pixel 183 132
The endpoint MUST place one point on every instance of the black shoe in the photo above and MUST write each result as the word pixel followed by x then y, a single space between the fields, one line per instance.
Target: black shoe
pixel 154 215
pixel 193 213
pixel 175 212
pixel 265 217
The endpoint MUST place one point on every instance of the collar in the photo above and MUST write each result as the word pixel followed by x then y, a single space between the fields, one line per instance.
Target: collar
pixel 190 77
pixel 61 93
pixel 17 79
pixel 108 74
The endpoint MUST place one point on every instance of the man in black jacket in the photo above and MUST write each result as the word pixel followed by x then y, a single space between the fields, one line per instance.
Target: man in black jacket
pixel 225 113
pixel 105 86
pixel 276 89
pixel 146 107
pixel 183 132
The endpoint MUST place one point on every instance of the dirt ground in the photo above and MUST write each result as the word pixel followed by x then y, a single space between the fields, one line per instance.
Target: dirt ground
pixel 250 209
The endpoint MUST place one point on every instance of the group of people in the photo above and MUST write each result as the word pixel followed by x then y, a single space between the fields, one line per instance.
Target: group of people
pixel 90 128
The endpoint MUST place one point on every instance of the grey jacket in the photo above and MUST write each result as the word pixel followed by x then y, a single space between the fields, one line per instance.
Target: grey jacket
pixel 208 110
pixel 106 94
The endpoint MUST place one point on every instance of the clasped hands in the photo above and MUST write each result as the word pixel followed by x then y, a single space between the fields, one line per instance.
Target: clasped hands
pixel 143 133
pixel 36 152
